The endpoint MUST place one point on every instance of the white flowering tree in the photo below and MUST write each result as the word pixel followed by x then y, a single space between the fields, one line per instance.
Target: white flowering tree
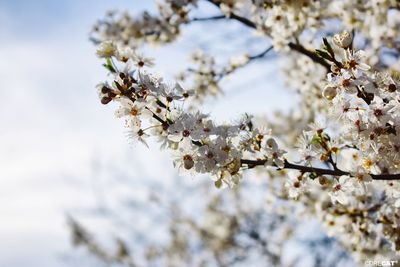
pixel 337 153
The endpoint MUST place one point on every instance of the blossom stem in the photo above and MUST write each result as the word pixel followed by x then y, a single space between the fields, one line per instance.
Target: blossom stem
pixel 157 117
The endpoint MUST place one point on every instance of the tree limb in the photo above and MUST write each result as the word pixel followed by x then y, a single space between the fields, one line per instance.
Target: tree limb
pixel 318 171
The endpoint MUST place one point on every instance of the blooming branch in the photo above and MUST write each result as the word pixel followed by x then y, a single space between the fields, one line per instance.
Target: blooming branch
pixel 199 129
pixel 348 117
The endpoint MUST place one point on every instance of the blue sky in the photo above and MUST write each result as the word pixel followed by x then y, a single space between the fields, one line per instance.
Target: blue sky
pixel 54 128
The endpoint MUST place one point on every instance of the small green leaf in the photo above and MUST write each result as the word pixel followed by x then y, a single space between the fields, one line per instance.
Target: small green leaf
pixel 316 140
pixel 323 54
pixel 218 183
pixel 312 175
pixel 108 65
pixel 328 47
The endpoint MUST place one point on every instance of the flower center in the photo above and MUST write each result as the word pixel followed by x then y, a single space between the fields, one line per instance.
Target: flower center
pixel 392 88
pixel 209 155
pixel 378 112
pixel 346 83
pixel 185 133
pixel 134 112
pixel 353 64
pixel 337 187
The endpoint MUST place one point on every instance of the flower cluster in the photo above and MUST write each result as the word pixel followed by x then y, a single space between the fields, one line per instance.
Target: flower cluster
pixel 152 108
pixel 362 139
pixel 282 21
pixel 286 19
pixel 204 77
pixel 345 130
pixel 160 28
pixel 367 105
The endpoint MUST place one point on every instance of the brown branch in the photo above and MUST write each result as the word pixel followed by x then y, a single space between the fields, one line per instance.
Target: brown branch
pixel 318 171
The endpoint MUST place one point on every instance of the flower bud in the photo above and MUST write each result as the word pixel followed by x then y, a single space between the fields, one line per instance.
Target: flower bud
pixel 343 39
pixel 323 180
pixel 106 49
pixel 218 183
pixel 329 92
pixel 272 143
pixel 188 162
pixel 105 100
pixel 392 87
pixel 234 166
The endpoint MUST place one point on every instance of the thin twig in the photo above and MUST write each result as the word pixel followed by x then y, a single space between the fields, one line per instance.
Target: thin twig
pixel 209 18
pixel 251 59
pixel 262 54
pixel 222 74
